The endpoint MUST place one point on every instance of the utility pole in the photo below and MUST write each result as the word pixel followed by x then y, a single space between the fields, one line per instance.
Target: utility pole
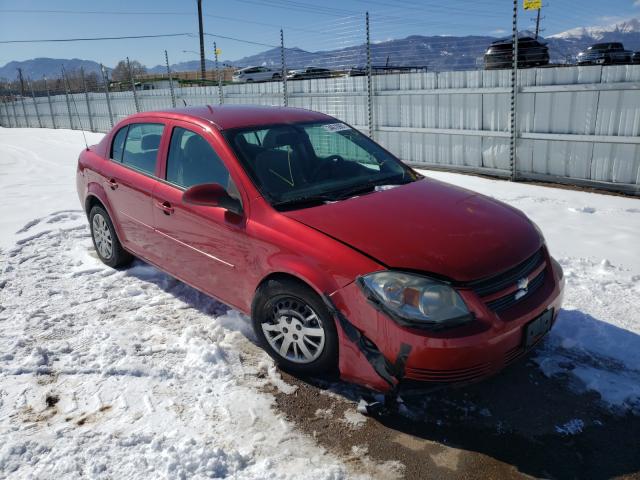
pixel 202 69
pixel 538 22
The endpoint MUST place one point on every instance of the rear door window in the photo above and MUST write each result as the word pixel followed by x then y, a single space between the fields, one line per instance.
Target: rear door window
pixel 141 146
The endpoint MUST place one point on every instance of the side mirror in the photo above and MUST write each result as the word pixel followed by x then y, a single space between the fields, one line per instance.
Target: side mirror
pixel 212 195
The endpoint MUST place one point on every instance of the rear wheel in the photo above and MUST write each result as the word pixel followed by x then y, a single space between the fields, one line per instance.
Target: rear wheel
pixel 295 327
pixel 105 240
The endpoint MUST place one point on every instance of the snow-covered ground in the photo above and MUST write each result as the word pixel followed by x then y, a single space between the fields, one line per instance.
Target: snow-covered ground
pixel 132 374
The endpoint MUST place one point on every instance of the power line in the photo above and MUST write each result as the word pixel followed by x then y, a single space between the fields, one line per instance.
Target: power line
pixel 241 40
pixel 91 39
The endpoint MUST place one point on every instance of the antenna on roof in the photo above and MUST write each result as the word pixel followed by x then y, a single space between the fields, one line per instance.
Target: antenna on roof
pixel 66 79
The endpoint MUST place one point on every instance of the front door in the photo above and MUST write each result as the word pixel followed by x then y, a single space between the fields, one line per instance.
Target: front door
pixel 204 246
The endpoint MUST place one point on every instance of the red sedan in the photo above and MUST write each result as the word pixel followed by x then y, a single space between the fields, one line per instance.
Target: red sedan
pixel 344 257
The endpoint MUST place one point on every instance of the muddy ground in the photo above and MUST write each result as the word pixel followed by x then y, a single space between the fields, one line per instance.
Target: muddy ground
pixel 515 425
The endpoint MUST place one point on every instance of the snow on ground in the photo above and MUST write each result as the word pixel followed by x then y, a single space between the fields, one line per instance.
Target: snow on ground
pixel 131 374
pixel 106 373
pixel 37 175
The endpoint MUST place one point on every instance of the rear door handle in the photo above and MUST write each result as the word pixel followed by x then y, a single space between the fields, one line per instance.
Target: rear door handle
pixel 113 184
pixel 165 207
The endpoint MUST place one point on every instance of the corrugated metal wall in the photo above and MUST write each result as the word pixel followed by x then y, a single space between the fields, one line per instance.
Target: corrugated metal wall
pixel 575 124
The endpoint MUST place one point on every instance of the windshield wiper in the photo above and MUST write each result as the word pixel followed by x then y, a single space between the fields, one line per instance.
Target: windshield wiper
pixel 313 200
pixel 368 187
pixel 304 202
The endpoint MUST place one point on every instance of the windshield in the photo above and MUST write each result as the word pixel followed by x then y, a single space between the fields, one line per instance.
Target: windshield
pixel 296 165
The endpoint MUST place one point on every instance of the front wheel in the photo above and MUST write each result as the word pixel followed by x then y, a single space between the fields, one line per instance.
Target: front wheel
pixel 105 240
pixel 295 327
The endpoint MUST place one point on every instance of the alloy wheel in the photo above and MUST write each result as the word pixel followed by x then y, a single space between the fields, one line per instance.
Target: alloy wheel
pixel 294 330
pixel 102 236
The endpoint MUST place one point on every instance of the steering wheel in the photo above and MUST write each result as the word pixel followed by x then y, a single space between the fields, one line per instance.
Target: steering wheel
pixel 330 163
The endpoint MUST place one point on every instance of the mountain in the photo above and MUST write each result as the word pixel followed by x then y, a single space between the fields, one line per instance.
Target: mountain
pixel 569 43
pixel 437 53
pixel 190 66
pixel 37 67
pixel 600 32
pixel 440 53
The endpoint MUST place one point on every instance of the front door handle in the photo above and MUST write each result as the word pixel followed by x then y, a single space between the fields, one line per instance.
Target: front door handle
pixel 113 184
pixel 165 207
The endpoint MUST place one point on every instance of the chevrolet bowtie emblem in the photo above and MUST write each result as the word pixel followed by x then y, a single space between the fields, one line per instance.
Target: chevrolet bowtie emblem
pixel 522 284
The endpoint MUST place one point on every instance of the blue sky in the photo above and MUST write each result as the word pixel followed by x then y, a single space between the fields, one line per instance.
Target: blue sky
pixel 308 24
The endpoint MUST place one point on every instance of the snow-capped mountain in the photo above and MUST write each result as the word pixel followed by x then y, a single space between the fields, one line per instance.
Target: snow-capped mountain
pixel 599 32
pixel 437 53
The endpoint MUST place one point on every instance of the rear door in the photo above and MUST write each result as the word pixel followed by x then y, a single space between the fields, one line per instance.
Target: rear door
pixel 130 178
pixel 204 246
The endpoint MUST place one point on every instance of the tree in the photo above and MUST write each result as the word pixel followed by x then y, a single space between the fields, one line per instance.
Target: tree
pixel 121 72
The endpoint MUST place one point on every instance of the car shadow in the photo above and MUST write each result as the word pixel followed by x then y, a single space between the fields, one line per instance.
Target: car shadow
pixel 543 426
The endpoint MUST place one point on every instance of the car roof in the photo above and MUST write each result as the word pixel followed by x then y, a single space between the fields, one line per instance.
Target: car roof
pixel 225 117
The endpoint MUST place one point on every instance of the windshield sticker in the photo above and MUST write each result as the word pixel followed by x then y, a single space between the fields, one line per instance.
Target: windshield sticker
pixel 335 127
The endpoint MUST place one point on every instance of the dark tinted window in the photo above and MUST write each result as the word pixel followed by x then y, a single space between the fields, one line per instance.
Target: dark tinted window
pixel 192 161
pixel 117 147
pixel 299 161
pixel 141 146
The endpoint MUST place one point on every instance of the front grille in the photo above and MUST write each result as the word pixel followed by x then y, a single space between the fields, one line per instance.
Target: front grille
pixel 509 300
pixel 513 355
pixel 499 282
pixel 449 376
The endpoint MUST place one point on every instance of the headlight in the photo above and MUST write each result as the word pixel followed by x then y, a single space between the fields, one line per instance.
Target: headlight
pixel 414 300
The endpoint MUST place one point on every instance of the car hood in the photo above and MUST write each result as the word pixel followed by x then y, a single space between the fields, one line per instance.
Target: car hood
pixel 429 226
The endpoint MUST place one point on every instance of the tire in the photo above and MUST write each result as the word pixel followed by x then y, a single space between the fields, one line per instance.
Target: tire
pixel 105 239
pixel 282 310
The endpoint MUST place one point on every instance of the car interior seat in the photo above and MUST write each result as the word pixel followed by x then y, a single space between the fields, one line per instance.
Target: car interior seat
pixel 281 169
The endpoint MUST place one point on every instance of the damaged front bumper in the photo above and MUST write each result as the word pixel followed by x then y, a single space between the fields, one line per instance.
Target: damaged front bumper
pixel 381 354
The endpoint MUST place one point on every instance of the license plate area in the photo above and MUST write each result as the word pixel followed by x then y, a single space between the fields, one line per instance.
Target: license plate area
pixel 535 329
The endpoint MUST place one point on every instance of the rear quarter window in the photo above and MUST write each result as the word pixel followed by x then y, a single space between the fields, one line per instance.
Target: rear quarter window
pixel 117 146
